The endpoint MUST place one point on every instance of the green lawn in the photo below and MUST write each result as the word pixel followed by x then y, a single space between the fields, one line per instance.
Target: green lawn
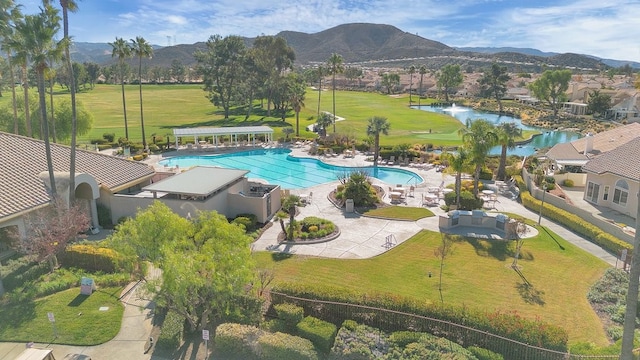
pixel 78 318
pixel 477 274
pixel 169 106
pixel 400 213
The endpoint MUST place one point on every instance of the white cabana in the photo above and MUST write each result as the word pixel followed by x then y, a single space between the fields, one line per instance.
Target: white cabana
pixel 232 132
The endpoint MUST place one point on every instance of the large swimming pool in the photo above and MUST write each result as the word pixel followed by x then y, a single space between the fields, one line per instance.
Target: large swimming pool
pixel 278 167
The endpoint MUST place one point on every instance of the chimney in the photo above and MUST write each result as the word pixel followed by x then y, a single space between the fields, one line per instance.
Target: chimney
pixel 588 146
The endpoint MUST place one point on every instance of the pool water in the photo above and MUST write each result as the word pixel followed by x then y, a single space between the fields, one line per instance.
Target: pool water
pixel 279 168
pixel 547 138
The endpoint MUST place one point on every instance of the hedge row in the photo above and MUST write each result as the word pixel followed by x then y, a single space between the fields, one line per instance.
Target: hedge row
pixel 321 333
pixel 235 341
pixel 508 325
pixel 290 314
pixel 171 331
pixel 95 258
pixel 574 223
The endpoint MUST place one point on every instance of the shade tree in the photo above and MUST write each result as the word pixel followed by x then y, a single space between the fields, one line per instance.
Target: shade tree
pixel 448 78
pixel 551 88
pixel 494 83
pixel 206 262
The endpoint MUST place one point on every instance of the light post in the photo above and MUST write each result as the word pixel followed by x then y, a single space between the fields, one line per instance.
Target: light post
pixel 544 191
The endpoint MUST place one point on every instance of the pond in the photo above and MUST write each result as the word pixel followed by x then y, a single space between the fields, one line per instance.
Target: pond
pixel 546 139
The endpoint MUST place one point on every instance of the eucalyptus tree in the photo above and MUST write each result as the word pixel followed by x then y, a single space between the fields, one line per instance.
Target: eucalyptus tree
pixel 375 127
pixel 9 15
pixel 448 78
pixel 121 49
pixel 551 87
pixel 494 82
pixel 38 32
pixel 479 137
pixel 93 72
pixel 507 135
pixel 412 70
pixel 274 57
pixel 221 68
pixel 142 49
pixel 422 71
pixel 335 65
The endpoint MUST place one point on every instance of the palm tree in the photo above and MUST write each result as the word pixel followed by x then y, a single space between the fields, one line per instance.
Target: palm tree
pixel 70 5
pixel 412 70
pixel 38 33
pixel 297 102
pixel 122 50
pixel 9 14
pixel 141 48
pixel 17 45
pixel 479 136
pixel 377 125
pixel 458 162
pixel 422 71
pixel 321 71
pixel 289 204
pixel 507 133
pixel 324 121
pixel 336 66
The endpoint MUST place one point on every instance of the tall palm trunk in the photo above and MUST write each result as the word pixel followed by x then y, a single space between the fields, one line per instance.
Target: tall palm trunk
pixel 25 89
pixel 53 119
pixel 13 95
pixel 502 173
pixel 74 118
pixel 124 103
pixel 334 101
pixel 144 139
pixel 45 126
pixel 319 93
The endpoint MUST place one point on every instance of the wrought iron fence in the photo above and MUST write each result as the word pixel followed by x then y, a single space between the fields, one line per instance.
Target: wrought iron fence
pixel 392 320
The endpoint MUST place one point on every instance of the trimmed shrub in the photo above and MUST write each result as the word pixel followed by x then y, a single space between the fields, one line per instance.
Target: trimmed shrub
pixel 467 200
pixel 575 223
pixel 320 332
pixel 567 183
pixel 510 325
pixel 138 157
pixel 289 313
pixel 109 137
pixel 484 354
pixel 237 341
pixel 281 346
pixel 486 174
pixel 404 338
pixel 95 258
pixel 171 331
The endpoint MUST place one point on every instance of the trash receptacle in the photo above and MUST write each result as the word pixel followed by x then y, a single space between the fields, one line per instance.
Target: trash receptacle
pixel 349 205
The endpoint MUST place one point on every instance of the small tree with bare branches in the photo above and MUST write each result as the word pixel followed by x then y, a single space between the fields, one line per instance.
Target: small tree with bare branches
pixel 49 230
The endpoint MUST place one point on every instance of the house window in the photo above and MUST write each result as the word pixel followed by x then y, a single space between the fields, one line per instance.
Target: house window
pixel 621 193
pixel 605 196
pixel 592 192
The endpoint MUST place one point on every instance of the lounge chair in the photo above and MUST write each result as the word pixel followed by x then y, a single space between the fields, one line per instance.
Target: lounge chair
pixel 392 160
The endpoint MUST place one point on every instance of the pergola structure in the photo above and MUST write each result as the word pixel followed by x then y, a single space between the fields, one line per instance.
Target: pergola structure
pixel 232 132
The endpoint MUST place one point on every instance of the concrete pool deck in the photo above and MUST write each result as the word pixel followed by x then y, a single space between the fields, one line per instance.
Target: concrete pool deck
pixel 364 237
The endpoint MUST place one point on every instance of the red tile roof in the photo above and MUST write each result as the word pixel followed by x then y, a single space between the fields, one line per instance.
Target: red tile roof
pixel 22 159
pixel 623 161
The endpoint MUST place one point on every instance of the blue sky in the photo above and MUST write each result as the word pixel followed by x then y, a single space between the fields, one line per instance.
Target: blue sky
pixel 604 28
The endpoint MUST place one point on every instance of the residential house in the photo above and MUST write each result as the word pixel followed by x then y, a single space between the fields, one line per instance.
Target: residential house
pixel 613 178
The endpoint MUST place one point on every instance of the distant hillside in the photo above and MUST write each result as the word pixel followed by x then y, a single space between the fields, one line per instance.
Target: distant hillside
pixel 536 52
pixel 377 44
pixel 362 42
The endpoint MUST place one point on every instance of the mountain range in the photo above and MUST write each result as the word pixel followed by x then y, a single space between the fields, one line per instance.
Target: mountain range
pixel 373 44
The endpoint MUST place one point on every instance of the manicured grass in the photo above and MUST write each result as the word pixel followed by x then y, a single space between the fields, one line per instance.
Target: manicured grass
pixel 78 319
pixel 477 274
pixel 170 106
pixel 400 213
